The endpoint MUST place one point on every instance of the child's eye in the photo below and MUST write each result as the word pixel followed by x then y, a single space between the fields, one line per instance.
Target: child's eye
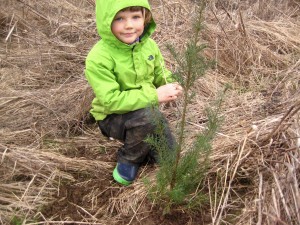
pixel 136 17
pixel 118 19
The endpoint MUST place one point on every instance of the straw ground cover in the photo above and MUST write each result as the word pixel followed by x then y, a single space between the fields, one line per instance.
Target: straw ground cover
pixel 55 166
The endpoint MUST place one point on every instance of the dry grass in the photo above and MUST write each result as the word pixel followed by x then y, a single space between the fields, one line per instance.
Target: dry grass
pixel 48 140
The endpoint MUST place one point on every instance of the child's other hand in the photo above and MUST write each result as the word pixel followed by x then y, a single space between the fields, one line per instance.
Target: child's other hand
pixel 169 92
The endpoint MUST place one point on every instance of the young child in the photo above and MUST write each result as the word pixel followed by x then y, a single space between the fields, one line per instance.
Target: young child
pixel 127 74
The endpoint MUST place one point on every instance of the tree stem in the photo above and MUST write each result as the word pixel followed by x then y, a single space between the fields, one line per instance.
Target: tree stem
pixel 181 134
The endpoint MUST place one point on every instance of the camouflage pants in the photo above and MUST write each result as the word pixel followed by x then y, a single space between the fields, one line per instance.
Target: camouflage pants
pixel 132 128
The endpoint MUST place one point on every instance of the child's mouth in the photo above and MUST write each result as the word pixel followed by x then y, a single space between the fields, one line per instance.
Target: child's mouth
pixel 128 34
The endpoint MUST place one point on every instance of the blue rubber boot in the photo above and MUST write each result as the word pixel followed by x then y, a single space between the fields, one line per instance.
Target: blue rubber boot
pixel 125 173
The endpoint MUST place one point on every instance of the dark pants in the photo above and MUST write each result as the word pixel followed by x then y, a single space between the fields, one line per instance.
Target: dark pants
pixel 132 128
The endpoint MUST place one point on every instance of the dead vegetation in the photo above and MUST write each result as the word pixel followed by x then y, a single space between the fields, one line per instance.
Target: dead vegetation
pixel 55 165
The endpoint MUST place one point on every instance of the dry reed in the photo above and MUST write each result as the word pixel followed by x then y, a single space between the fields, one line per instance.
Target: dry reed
pixel 44 103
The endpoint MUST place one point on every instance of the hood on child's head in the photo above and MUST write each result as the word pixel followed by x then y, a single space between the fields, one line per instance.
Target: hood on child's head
pixel 106 11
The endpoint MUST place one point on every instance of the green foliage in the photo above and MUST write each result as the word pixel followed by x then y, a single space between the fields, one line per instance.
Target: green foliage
pixel 16 221
pixel 191 168
pixel 180 176
pixel 19 220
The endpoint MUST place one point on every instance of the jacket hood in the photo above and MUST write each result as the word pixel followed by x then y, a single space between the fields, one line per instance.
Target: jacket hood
pixel 105 13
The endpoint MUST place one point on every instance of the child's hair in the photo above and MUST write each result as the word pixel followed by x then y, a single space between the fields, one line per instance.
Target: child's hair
pixel 146 13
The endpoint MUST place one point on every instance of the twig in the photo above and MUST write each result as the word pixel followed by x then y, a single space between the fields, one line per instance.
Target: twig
pixel 282 197
pixel 33 10
pixel 202 127
pixel 25 192
pixel 226 11
pixel 3 154
pixel 217 212
pixel 10 32
pixel 295 185
pixel 275 203
pixel 260 199
pixel 222 28
pixel 292 111
pixel 84 210
pixel 135 212
pixel 243 25
pixel 232 176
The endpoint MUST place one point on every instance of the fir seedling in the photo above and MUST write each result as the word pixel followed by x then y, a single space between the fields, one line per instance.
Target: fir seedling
pixel 180 175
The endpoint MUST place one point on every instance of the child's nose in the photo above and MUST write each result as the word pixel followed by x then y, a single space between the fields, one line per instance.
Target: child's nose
pixel 128 24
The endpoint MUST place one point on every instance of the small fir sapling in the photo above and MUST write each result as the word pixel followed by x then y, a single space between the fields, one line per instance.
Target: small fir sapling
pixel 180 175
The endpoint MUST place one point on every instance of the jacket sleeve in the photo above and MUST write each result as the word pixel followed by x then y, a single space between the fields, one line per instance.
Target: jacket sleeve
pixel 162 75
pixel 108 92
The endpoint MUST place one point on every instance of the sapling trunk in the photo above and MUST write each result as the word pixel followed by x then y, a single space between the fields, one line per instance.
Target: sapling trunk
pixel 181 134
pixel 188 68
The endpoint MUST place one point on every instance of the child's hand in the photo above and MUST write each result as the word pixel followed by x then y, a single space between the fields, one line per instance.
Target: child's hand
pixel 169 92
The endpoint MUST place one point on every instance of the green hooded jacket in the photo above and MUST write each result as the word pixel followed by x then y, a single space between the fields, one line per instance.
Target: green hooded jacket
pixel 123 77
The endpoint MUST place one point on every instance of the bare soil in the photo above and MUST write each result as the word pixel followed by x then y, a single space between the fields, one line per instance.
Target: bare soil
pixel 74 197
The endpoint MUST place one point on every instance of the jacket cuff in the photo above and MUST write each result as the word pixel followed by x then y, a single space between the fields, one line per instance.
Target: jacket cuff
pixel 152 93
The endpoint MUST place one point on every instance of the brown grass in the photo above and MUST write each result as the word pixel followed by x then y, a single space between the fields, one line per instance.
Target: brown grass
pixel 50 145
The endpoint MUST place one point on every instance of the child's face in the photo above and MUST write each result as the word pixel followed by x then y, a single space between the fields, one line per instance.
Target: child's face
pixel 127 26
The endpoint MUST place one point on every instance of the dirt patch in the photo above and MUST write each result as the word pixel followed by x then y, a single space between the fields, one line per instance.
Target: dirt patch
pixel 75 198
pixel 89 198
